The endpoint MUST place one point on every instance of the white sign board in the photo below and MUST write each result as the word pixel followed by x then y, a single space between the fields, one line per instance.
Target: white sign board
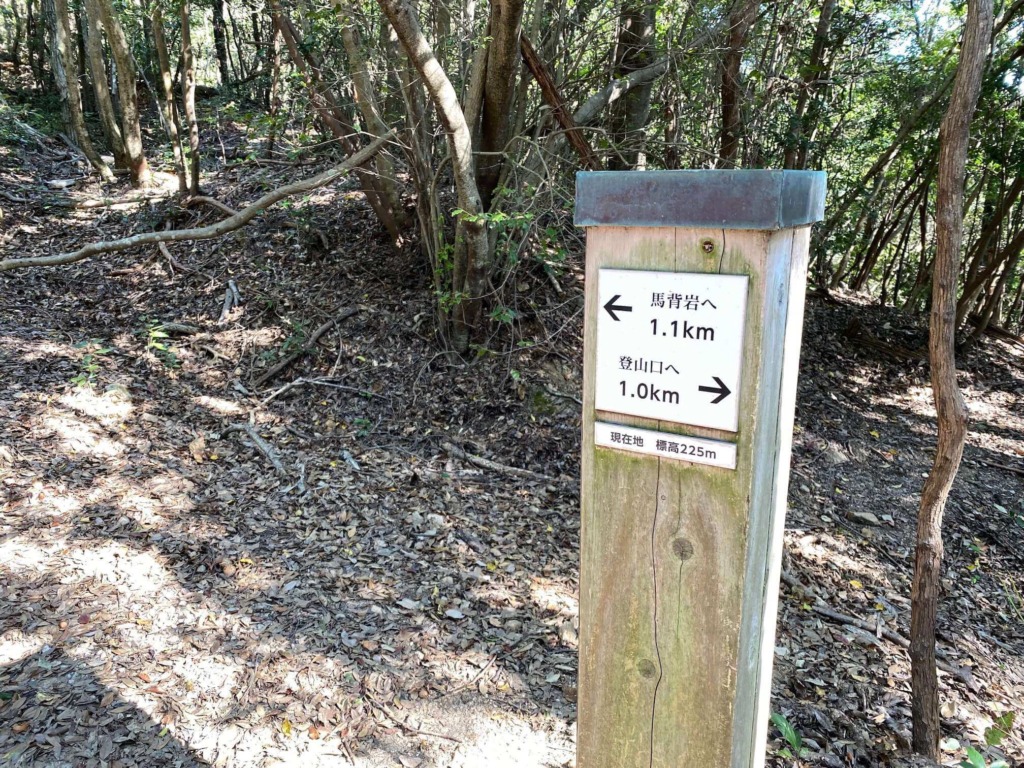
pixel 670 345
pixel 664 445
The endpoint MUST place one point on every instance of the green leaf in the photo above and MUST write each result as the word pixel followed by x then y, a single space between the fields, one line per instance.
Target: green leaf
pixel 788 732
pixel 1000 729
pixel 974 759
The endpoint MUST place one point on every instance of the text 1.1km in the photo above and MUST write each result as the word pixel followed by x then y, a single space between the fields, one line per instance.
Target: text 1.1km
pixel 644 391
pixel 674 331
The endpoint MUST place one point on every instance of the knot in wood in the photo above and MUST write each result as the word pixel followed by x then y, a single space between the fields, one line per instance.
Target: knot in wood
pixel 646 668
pixel 682 548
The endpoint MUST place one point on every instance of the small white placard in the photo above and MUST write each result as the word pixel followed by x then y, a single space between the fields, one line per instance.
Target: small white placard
pixel 670 345
pixel 664 445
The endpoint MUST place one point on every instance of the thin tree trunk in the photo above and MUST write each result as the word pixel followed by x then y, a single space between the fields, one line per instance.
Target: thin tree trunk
pixel 366 100
pixel 634 50
pixel 188 94
pixel 220 43
pixel 127 93
pixel 274 92
pixel 469 280
pixel 167 103
pixel 417 140
pixel 236 39
pixel 16 42
pixel 990 312
pixel 499 88
pixel 1017 305
pixel 973 289
pixel 100 86
pixel 952 416
pixel 741 18
pixel 801 129
pixel 334 119
pixel 65 73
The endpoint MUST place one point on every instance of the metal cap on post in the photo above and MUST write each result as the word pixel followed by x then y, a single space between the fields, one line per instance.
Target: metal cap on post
pixel 765 200
pixel 694 310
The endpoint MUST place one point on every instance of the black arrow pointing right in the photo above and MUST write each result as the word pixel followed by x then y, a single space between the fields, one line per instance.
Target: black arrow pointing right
pixel 721 390
pixel 611 307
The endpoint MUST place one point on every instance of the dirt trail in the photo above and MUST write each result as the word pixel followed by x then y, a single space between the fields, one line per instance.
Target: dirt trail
pixel 169 598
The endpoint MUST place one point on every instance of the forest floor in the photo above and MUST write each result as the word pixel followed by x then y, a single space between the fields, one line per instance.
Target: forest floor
pixel 170 598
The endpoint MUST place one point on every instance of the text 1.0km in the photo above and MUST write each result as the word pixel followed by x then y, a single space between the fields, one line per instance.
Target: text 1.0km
pixel 644 391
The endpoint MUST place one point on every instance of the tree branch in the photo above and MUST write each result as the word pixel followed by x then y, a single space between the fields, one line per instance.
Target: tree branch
pixel 222 227
pixel 617 88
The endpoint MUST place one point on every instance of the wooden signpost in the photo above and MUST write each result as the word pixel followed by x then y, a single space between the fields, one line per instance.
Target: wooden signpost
pixel 694 310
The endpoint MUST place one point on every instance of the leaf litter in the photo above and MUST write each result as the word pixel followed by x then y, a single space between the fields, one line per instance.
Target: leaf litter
pixel 169 599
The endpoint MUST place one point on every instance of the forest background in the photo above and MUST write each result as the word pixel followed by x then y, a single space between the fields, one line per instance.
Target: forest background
pixel 464 124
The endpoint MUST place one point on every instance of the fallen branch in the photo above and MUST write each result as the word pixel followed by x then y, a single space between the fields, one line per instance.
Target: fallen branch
pixel 326 382
pixel 495 466
pixel 182 328
pixel 961 673
pixel 107 202
pixel 308 347
pixel 404 725
pixel 1005 467
pixel 459 688
pixel 556 393
pixel 212 202
pixel 268 451
pixel 222 227
pixel 13 198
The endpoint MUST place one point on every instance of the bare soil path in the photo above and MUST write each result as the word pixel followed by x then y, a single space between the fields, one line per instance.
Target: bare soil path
pixel 170 598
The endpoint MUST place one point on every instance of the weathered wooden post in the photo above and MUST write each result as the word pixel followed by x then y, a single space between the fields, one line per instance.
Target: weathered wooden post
pixel 694 308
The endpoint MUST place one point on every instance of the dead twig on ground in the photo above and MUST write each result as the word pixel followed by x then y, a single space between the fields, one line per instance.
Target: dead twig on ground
pixel 317 383
pixel 556 393
pixel 175 264
pixel 404 725
pixel 495 466
pixel 961 673
pixel 222 227
pixel 1004 467
pixel 471 683
pixel 268 451
pixel 213 202
pixel 308 347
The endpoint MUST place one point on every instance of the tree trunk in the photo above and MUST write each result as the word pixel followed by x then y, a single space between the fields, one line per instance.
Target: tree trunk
pixel 499 88
pixel 100 86
pixel 741 18
pixel 167 103
pixel 274 92
pixel 334 119
pixel 65 74
pixel 634 50
pixel 949 405
pixel 188 94
pixel 236 38
pixel 802 126
pixel 220 42
pixel 366 100
pixel 973 289
pixel 127 93
pixel 990 312
pixel 470 278
pixel 16 42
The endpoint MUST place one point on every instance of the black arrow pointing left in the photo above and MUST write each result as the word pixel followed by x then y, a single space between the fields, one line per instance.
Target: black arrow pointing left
pixel 611 307
pixel 721 390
